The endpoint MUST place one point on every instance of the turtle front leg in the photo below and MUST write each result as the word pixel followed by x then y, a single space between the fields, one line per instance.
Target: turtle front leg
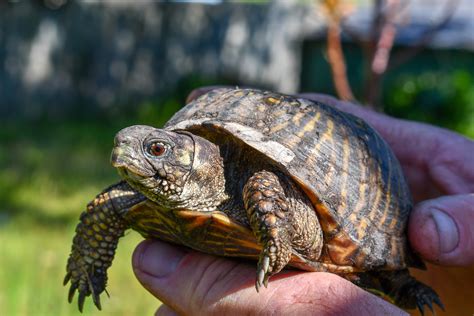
pixel 94 244
pixel 283 221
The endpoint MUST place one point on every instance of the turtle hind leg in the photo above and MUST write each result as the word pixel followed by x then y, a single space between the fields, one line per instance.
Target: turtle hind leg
pixel 95 241
pixel 415 294
pixel 407 292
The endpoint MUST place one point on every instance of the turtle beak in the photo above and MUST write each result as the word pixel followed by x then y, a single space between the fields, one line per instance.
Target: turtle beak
pixel 127 155
pixel 123 159
pixel 117 158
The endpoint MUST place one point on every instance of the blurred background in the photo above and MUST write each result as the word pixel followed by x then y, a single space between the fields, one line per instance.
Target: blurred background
pixel 73 73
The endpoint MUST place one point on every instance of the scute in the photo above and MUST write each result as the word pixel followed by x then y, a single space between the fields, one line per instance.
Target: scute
pixel 343 165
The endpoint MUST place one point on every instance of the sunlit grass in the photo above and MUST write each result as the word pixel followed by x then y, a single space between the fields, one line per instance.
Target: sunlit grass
pixel 48 172
pixel 33 266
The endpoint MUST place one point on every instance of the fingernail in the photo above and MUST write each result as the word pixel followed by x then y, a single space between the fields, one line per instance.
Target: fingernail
pixel 157 259
pixel 448 234
pixel 164 310
pixel 202 90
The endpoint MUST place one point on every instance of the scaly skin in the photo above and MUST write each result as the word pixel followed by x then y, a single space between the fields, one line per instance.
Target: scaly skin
pixel 94 244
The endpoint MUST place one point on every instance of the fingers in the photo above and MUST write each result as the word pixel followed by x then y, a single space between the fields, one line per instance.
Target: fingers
pixel 185 281
pixel 196 93
pixel 191 282
pixel 442 230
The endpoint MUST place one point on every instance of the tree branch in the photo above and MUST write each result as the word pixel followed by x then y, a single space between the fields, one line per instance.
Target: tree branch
pixel 426 37
pixel 337 62
pixel 335 52
pixel 382 39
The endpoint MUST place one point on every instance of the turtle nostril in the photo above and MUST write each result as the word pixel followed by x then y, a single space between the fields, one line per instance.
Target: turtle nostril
pixel 117 140
pixel 121 140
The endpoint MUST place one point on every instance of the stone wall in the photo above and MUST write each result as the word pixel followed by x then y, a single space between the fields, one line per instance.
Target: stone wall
pixel 59 54
pixel 109 53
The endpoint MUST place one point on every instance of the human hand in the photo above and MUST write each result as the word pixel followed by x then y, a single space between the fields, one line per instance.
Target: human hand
pixel 436 162
pixel 192 283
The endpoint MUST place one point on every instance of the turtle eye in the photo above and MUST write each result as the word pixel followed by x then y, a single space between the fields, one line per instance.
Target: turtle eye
pixel 157 149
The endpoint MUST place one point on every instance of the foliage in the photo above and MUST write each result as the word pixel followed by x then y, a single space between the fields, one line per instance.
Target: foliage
pixel 435 87
pixel 441 98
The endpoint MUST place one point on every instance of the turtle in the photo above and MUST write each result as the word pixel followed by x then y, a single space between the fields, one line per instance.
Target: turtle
pixel 262 176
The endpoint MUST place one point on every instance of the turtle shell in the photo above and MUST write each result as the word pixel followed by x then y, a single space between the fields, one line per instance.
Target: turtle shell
pixel 346 169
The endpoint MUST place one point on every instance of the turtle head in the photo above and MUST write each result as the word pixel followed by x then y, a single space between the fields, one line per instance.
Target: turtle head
pixel 174 169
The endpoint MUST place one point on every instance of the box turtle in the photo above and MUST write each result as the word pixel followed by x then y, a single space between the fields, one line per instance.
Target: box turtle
pixel 258 175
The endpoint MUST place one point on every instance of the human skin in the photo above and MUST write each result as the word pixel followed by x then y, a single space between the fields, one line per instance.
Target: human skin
pixel 440 171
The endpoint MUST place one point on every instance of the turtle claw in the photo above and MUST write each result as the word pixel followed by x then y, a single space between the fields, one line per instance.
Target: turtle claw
pixel 72 291
pixel 421 308
pixel 427 297
pixel 407 292
pixel 272 260
pixel 87 280
pixel 259 281
pixel 430 306
pixel 84 289
pixel 438 302
pixel 67 277
pixel 263 273
pixel 414 294
pixel 80 301
pixel 96 299
pixel 266 263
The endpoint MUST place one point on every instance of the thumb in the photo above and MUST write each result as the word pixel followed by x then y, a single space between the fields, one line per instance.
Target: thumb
pixel 442 230
pixel 187 281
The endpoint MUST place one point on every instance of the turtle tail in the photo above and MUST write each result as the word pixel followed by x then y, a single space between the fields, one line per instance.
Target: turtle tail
pixel 93 246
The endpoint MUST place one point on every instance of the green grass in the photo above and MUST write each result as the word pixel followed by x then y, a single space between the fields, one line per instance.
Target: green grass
pixel 48 172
